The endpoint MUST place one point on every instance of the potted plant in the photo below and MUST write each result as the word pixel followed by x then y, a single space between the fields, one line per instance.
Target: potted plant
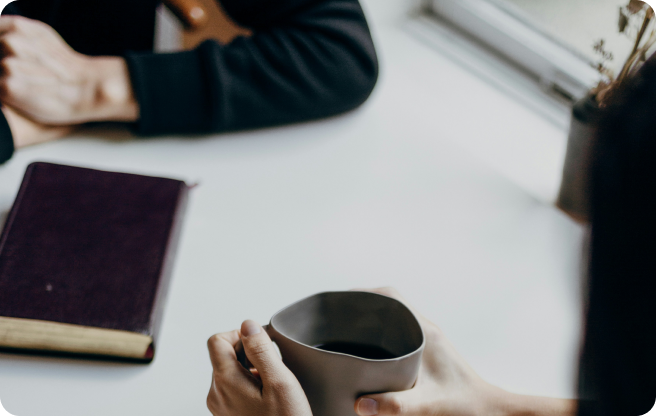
pixel 636 20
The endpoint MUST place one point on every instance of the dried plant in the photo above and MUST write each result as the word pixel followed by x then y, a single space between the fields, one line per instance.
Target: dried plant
pixel 636 20
pixel 605 56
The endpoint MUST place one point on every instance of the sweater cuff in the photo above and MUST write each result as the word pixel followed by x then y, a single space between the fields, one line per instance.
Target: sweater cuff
pixel 6 140
pixel 172 92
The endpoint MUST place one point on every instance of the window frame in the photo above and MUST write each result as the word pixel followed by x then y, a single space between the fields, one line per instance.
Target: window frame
pixel 556 67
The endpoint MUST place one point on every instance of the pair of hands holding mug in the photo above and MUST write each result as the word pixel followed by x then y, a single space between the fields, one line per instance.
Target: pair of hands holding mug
pixel 46 88
pixel 446 384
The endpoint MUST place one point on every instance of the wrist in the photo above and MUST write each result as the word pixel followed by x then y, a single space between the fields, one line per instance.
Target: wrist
pixel 112 95
pixel 23 132
pixel 26 132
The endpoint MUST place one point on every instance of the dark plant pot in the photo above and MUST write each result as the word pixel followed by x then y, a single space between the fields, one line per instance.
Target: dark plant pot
pixel 574 194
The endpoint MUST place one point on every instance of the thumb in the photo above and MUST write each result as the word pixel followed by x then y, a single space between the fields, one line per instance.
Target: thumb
pixel 386 404
pixel 260 352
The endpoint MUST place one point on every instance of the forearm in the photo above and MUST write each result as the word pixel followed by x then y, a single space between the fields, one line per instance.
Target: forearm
pixel 510 404
pixel 307 59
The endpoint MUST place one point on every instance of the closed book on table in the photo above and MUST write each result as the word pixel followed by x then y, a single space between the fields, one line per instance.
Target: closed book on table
pixel 85 261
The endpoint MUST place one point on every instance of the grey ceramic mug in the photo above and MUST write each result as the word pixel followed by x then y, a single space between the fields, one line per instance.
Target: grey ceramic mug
pixel 331 380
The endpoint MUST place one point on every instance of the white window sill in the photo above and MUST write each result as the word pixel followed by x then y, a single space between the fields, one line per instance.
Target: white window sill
pixel 532 161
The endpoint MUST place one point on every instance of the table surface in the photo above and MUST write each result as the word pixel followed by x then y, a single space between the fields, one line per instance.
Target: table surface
pixel 385 195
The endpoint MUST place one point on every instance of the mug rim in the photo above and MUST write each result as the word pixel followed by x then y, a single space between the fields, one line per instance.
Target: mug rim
pixel 417 350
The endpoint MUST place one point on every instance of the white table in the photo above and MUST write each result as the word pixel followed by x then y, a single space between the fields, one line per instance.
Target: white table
pixel 386 195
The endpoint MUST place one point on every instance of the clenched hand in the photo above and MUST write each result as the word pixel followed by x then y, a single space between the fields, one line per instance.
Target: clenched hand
pixel 47 81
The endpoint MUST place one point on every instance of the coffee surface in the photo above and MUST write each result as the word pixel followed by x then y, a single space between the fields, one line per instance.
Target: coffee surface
pixel 372 352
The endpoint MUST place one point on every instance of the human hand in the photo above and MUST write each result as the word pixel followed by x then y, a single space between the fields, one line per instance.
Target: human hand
pixel 448 386
pixel 26 132
pixel 46 80
pixel 268 390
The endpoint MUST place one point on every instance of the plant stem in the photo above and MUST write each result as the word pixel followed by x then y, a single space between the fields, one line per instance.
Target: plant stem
pixel 645 23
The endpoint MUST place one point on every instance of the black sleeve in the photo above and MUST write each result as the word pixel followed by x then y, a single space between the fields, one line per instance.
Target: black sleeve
pixel 307 59
pixel 6 140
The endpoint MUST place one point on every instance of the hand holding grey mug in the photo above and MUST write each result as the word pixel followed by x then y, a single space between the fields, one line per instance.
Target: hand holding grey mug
pixel 341 345
pixel 446 384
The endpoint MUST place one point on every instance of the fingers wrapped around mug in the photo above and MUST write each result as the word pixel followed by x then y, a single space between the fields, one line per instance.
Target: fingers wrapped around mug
pixel 261 353
pixel 237 392
pixel 230 381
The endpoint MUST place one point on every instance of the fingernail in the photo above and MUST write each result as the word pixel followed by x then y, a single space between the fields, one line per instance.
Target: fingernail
pixel 249 328
pixel 367 407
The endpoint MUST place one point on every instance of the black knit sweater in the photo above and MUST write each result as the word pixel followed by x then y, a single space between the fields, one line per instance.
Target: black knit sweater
pixel 306 59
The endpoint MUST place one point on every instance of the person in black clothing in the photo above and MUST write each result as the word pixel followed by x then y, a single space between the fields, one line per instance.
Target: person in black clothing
pixel 617 367
pixel 617 373
pixel 306 59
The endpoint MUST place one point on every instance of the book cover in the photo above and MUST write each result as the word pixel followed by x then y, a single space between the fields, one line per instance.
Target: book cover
pixel 85 261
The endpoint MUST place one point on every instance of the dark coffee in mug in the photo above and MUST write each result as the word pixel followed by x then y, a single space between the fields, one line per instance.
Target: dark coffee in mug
pixel 371 352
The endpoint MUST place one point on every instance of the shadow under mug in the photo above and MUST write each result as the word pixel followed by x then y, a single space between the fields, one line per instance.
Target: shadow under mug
pixel 332 381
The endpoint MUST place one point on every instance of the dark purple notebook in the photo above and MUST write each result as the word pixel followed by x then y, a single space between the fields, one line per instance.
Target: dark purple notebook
pixel 84 250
